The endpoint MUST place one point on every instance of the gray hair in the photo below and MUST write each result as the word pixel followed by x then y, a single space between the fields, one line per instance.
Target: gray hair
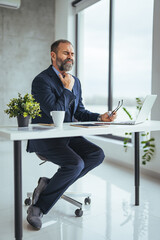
pixel 54 46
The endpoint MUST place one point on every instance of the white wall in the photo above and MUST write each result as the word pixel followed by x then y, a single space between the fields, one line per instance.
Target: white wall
pixel 65 21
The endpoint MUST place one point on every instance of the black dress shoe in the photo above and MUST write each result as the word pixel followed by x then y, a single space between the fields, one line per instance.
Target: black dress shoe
pixel 34 217
pixel 42 184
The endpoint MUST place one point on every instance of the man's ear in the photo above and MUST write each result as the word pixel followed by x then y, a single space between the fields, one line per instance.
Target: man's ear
pixel 53 56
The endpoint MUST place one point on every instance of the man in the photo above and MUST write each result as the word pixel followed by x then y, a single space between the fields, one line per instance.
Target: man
pixel 55 89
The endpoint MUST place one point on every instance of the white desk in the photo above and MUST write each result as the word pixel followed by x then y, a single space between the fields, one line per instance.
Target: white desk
pixel 16 135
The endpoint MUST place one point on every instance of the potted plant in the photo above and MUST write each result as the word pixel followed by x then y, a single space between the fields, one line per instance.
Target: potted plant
pixel 23 108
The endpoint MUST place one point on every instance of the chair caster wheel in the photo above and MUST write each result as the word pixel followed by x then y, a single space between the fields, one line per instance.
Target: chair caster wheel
pixel 87 201
pixel 27 201
pixel 79 212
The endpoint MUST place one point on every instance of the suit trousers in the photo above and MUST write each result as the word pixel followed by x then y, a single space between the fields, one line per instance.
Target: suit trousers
pixel 75 158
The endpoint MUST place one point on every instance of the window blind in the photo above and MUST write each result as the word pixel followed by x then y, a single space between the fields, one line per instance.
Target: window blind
pixel 82 4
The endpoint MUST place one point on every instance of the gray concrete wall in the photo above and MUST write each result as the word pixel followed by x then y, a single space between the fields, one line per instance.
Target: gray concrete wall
pixel 25 38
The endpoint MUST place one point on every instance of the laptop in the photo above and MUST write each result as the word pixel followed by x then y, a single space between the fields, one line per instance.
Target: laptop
pixel 143 113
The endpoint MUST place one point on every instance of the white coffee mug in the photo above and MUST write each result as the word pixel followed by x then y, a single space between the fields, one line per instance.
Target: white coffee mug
pixel 58 118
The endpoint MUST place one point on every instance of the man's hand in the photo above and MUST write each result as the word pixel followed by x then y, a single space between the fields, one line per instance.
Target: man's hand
pixel 106 117
pixel 67 80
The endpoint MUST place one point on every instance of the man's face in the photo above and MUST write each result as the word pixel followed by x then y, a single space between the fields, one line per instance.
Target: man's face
pixel 64 59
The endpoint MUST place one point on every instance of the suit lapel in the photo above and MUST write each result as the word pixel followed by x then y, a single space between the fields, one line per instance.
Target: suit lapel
pixel 76 94
pixel 59 84
pixel 54 76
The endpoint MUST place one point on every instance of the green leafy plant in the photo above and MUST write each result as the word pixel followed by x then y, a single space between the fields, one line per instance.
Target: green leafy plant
pixel 147 142
pixel 127 135
pixel 148 148
pixel 126 140
pixel 25 106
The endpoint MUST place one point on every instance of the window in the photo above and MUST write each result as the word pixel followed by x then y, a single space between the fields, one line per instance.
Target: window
pixel 93 55
pixel 131 53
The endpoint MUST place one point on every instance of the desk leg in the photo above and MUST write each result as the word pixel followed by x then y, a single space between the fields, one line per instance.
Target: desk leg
pixel 17 190
pixel 136 170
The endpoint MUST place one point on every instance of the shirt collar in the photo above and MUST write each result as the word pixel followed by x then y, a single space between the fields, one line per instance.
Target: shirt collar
pixel 56 71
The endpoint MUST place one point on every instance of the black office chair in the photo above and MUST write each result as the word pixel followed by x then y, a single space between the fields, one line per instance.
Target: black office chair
pixel 78 211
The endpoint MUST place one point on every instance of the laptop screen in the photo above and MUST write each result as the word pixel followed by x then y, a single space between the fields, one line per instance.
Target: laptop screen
pixel 146 108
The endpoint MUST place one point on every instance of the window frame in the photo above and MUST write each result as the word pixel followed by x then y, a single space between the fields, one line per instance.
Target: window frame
pixel 110 87
pixel 110 57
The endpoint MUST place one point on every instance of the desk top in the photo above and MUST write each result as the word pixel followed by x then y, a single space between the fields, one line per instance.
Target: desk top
pixel 36 131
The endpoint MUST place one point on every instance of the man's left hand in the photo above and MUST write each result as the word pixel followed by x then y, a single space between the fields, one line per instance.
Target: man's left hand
pixel 108 117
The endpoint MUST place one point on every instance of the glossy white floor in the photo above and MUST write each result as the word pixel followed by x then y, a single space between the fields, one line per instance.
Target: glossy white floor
pixel 111 215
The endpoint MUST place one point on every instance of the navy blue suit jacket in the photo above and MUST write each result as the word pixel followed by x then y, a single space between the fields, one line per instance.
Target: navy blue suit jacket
pixel 49 91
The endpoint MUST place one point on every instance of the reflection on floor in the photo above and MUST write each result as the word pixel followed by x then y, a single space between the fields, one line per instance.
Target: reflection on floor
pixel 111 215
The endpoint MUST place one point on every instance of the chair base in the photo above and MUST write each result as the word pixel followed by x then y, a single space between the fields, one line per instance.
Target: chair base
pixel 78 212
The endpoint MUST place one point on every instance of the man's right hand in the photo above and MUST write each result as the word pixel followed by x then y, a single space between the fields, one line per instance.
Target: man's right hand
pixel 67 80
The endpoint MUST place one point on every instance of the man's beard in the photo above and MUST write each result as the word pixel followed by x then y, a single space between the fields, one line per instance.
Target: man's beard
pixel 64 65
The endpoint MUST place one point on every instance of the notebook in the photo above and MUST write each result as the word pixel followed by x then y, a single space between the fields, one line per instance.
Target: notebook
pixel 143 113
pixel 89 125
